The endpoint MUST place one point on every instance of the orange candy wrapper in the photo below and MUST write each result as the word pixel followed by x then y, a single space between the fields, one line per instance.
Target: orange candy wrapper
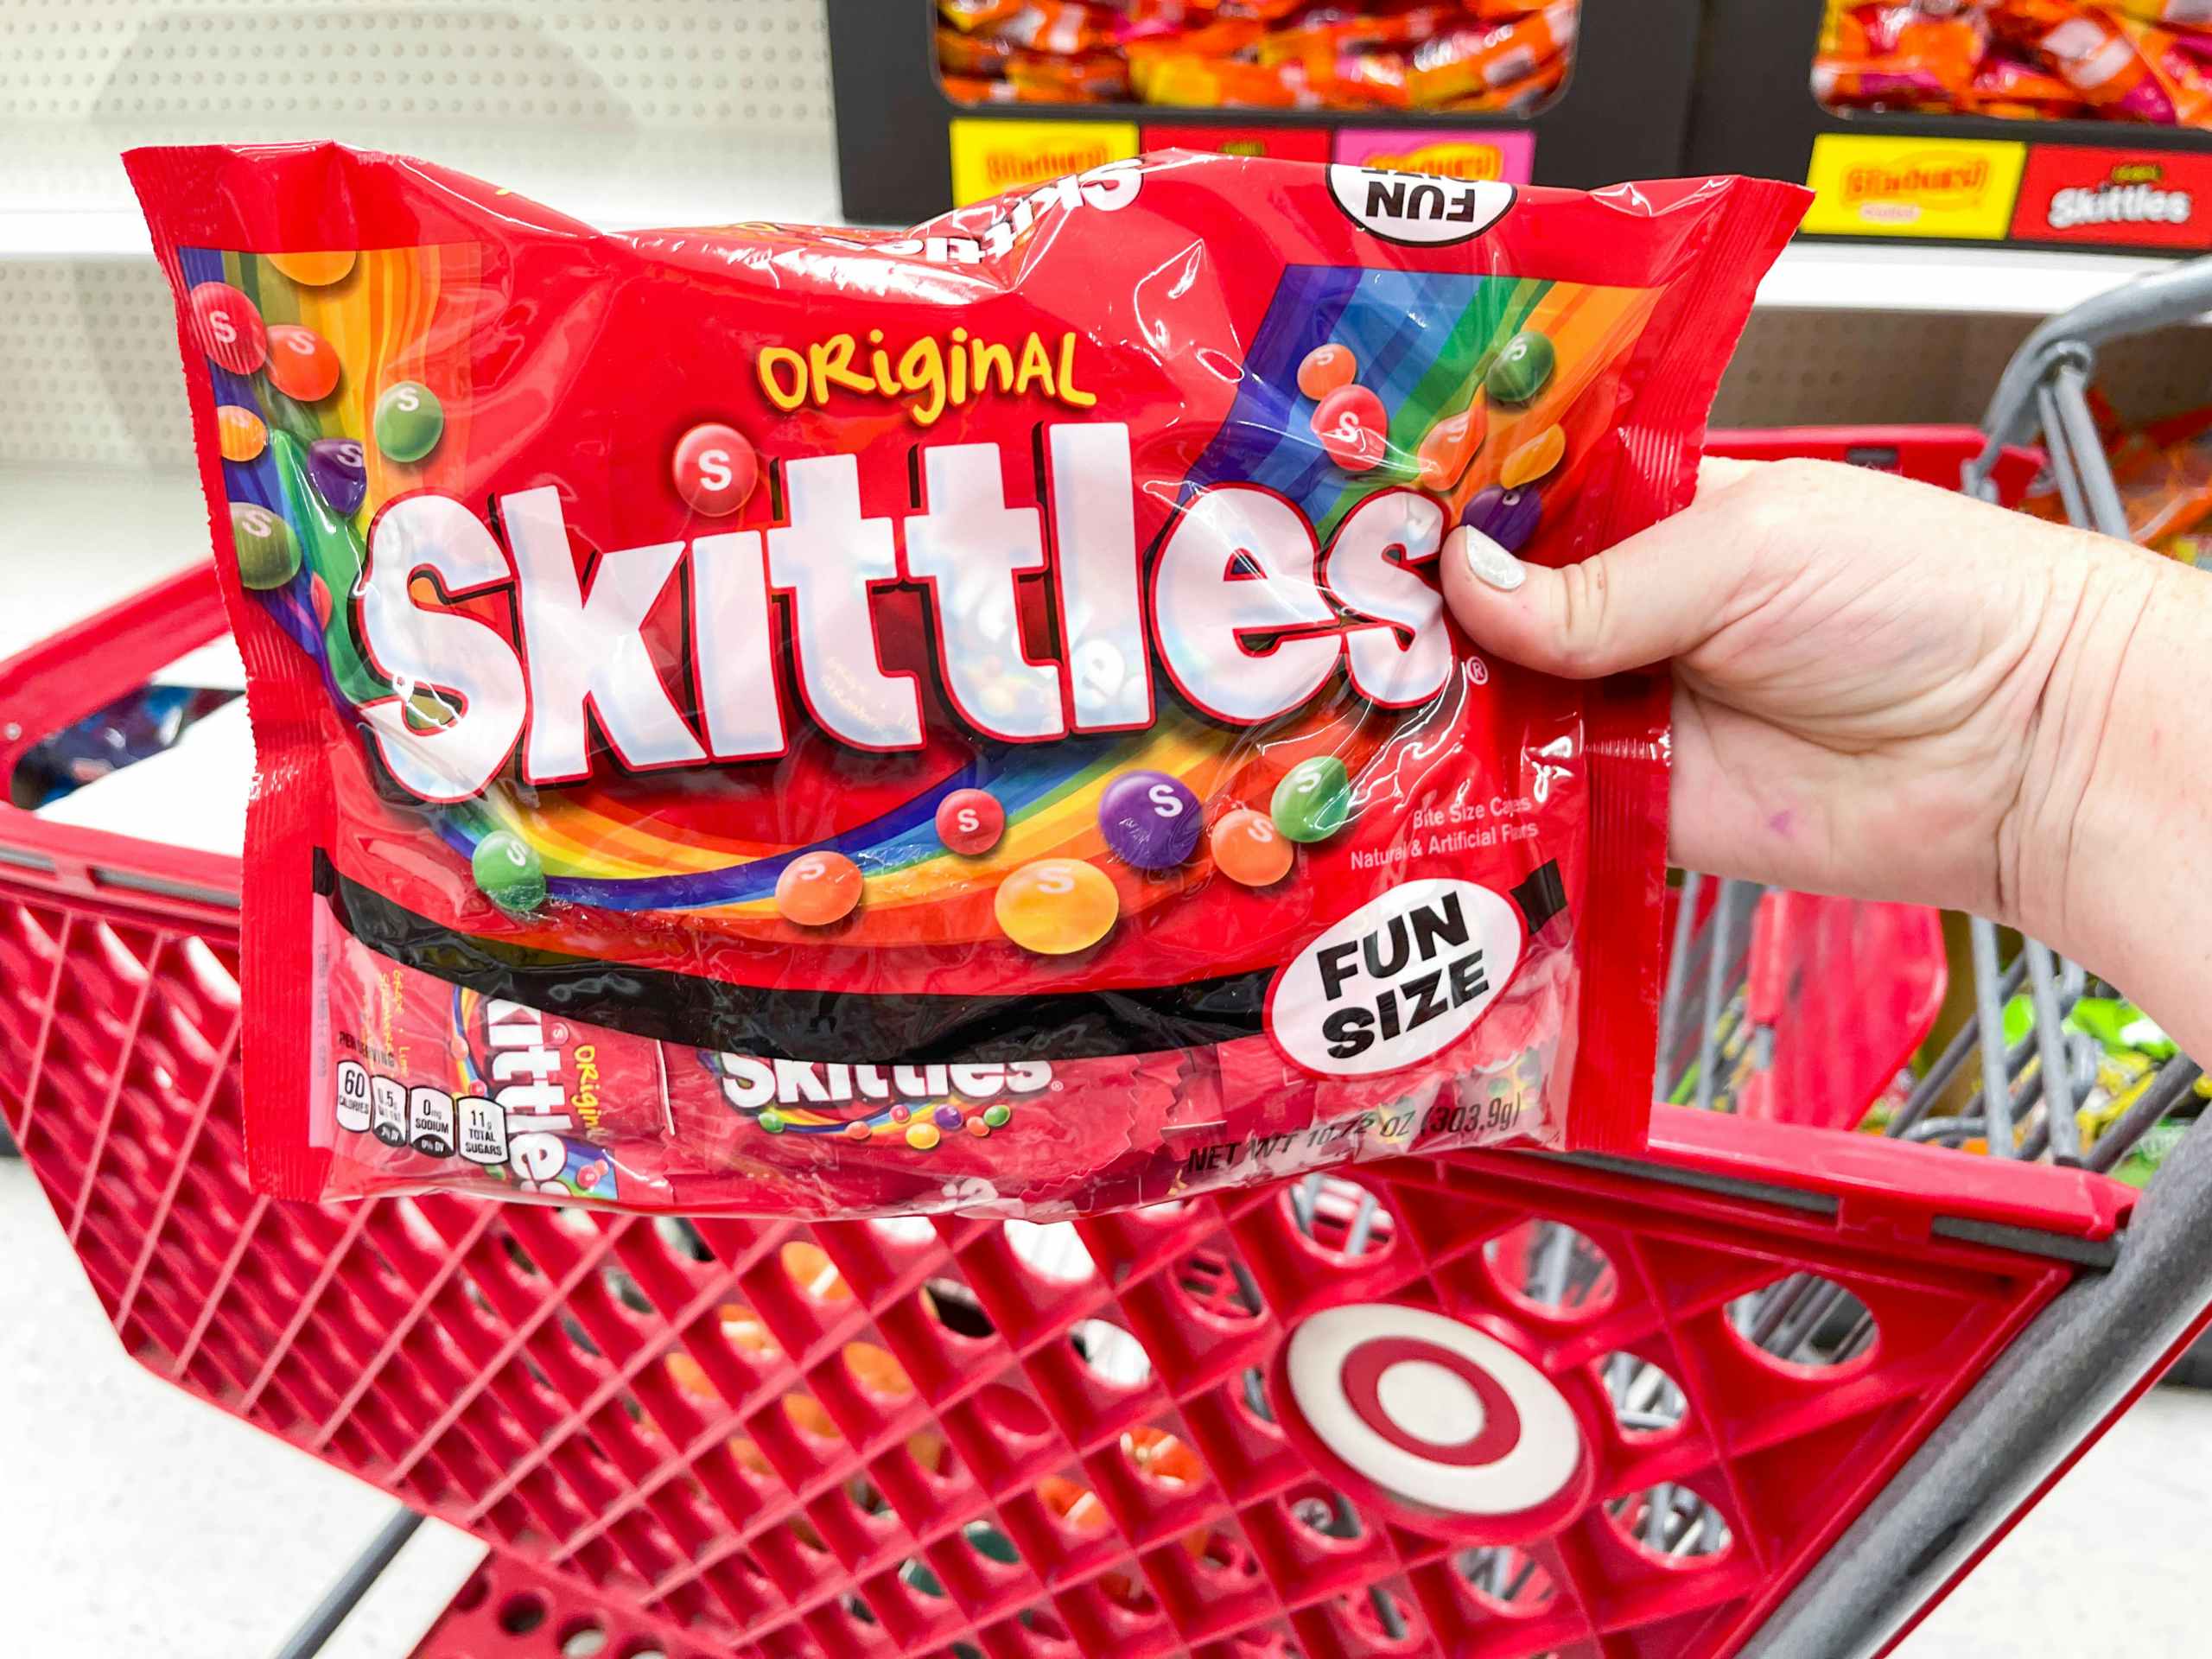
pixel 1476 55
pixel 2142 61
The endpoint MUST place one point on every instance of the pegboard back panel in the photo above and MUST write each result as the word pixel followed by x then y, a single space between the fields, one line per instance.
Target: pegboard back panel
pixel 671 111
pixel 1806 367
pixel 88 365
pixel 710 108
pixel 688 63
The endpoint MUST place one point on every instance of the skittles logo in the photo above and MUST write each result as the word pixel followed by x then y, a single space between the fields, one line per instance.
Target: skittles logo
pixel 917 1104
pixel 1464 1432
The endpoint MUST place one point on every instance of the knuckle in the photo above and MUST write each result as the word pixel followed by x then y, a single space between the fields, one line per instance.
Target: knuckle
pixel 1586 597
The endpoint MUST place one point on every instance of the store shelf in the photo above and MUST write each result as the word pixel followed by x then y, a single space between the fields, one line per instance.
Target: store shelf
pixel 2001 281
pixel 682 112
pixel 80 206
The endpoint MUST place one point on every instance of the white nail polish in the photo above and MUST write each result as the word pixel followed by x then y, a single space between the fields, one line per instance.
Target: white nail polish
pixel 1489 562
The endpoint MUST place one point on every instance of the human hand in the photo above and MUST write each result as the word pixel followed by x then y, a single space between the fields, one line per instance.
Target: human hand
pixel 1882 689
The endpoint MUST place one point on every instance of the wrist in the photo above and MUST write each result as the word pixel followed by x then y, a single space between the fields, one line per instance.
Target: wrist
pixel 2103 743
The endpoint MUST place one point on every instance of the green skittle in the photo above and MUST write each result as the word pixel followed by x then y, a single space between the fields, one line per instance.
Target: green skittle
pixel 332 551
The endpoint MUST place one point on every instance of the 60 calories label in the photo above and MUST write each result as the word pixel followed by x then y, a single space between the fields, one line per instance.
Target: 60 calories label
pixel 429 1121
pixel 1400 979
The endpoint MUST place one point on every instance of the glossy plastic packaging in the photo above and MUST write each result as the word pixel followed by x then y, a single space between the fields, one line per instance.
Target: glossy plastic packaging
pixel 790 721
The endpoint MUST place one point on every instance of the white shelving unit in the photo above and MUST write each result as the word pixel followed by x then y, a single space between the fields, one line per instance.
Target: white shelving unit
pixel 632 112
pixel 663 111
pixel 1912 277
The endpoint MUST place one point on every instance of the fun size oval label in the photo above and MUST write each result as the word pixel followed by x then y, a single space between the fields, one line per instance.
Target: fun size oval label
pixel 1416 208
pixel 1400 979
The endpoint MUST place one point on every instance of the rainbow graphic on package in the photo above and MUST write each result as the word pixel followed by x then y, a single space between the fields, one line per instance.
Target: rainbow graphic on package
pixel 836 722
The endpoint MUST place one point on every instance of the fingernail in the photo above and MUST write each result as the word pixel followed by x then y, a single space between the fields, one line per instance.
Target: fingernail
pixel 1488 562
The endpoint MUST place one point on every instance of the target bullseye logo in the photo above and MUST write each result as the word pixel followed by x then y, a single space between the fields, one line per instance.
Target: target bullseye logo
pixel 1439 1415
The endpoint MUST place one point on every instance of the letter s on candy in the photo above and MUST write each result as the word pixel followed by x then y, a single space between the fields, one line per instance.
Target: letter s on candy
pixel 439 649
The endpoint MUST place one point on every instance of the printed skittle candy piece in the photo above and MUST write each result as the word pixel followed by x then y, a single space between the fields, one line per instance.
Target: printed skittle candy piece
pixel 859 1130
pixel 773 1121
pixel 239 433
pixel 1313 800
pixel 288 415
pixel 922 1136
pixel 1532 460
pixel 1150 820
pixel 509 873
pixel 410 421
pixel 332 549
pixel 319 596
pixel 1353 428
pixel 315 269
pixel 1249 849
pixel 947 1117
pixel 818 888
pixel 340 474
pixel 970 822
pixel 978 1126
pixel 1507 517
pixel 998 1116
pixel 227 328
pixel 1056 907
pixel 1444 454
pixel 1521 370
pixel 302 364
pixel 268 554
pixel 714 469
pixel 1324 369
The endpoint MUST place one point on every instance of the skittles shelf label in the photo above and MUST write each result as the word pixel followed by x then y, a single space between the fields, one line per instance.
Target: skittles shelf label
pixel 780 722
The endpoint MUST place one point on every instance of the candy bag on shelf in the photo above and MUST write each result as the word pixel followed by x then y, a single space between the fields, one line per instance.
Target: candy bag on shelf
pixel 792 722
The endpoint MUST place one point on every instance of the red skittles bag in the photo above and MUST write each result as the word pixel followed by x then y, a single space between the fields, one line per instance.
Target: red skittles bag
pixel 839 722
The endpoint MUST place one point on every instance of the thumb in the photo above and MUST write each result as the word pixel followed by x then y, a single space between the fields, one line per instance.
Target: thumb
pixel 1658 595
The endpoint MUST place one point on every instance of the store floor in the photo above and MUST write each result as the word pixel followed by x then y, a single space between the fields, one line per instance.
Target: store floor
pixel 142 1521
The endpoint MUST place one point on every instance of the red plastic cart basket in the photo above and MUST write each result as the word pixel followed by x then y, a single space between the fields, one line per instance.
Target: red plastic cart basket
pixel 1495 1405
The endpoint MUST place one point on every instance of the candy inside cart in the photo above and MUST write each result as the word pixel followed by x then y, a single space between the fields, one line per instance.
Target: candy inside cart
pixel 1896 1257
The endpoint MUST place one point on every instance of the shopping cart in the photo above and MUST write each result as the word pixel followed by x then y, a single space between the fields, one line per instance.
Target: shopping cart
pixel 1771 1389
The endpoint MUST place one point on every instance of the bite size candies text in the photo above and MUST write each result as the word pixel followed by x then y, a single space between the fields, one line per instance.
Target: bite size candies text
pixel 817 889
pixel 1056 907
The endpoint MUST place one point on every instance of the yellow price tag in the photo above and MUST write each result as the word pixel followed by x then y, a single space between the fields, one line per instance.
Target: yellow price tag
pixel 991 156
pixel 1869 185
